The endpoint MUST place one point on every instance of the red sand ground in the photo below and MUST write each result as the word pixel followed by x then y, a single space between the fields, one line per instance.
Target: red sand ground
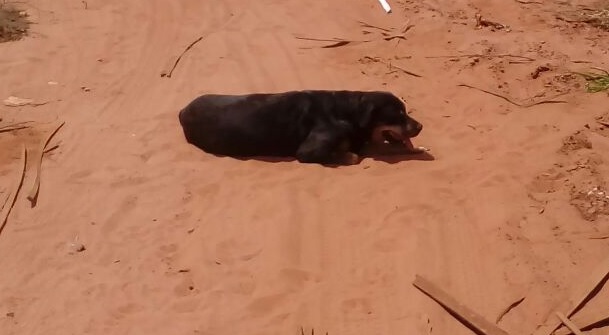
pixel 181 242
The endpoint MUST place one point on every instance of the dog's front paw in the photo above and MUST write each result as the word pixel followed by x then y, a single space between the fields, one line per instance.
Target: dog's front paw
pixel 418 150
pixel 350 158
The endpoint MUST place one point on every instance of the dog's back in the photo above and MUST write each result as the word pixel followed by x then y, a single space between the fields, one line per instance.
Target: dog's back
pixel 244 125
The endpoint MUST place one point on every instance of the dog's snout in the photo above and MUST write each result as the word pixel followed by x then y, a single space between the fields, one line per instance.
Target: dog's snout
pixel 413 129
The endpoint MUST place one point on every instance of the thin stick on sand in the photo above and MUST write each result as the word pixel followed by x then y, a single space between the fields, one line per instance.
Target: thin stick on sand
pixel 577 297
pixel 6 210
pixel 603 123
pixel 7 129
pixel 598 318
pixel 508 309
pixel 4 203
pixel 523 58
pixel 460 311
pixel 339 42
pixel 569 324
pixel 366 25
pixel 390 65
pixel 14 126
pixel 33 195
pixel 47 150
pixel 525 105
pixel 175 64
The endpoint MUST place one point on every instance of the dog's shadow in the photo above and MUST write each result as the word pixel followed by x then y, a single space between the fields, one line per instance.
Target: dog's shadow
pixel 401 157
pixel 390 158
pixel 265 159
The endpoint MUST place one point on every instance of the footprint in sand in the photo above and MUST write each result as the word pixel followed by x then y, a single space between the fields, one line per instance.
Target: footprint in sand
pixel 128 205
pixel 125 310
pixel 77 177
pixel 356 308
pixel 185 287
pixel 290 282
pixel 186 305
pixel 233 250
pixel 266 305
pixel 296 279
pixel 392 235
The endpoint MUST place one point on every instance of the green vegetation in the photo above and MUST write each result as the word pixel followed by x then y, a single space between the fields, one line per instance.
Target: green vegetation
pixel 596 82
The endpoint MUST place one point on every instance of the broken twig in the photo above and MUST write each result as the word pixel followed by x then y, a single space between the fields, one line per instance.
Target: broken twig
pixel 569 324
pixel 364 24
pixel 529 2
pixel 480 22
pixel 33 195
pixel 390 65
pixel 524 58
pixel 4 203
pixel 312 331
pixel 577 297
pixel 7 128
pixel 47 150
pixel 525 105
pixel 6 210
pixel 460 311
pixel 339 42
pixel 168 74
pixel 600 69
pixel 16 124
pixel 599 318
pixel 508 309
pixel 603 123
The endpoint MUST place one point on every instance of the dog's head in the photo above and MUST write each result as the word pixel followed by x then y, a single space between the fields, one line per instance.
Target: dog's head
pixel 385 116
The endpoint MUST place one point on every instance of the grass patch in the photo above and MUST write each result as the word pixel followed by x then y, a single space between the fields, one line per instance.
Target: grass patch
pixel 596 82
pixel 13 23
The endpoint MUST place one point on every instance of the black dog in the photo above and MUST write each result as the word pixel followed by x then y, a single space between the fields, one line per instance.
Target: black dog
pixel 317 126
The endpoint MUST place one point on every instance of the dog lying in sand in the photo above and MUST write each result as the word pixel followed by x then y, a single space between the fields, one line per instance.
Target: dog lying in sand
pixel 316 126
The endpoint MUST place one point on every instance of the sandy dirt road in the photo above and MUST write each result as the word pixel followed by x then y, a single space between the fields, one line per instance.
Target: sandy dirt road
pixel 181 242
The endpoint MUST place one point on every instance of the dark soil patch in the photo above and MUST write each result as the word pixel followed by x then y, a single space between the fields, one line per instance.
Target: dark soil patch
pixel 576 174
pixel 597 16
pixel 574 142
pixel 601 126
pixel 13 23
